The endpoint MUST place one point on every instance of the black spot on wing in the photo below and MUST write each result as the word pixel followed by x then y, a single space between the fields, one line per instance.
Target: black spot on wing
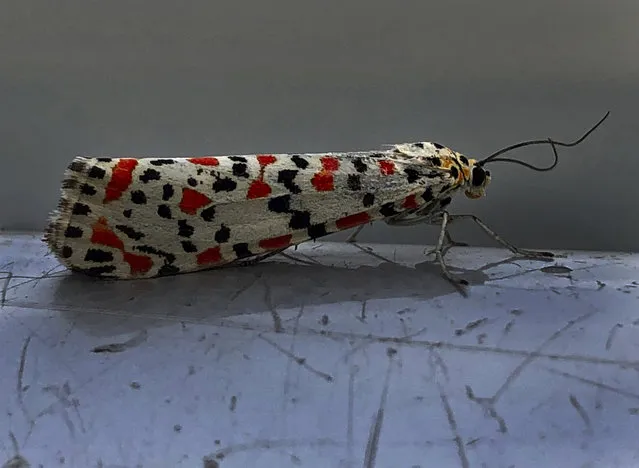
pixel 127 213
pixel 149 175
pixel 87 189
pixel 411 175
pixel 241 250
pixel 419 145
pixel 104 159
pixel 129 231
pixel 188 246
pixel 77 166
pixel 96 173
pixel 191 181
pixel 224 184
pixel 454 172
pixel 169 257
pixel 98 256
pixel 438 146
pixel 138 197
pixel 299 161
pixel 388 209
pixel 368 199
pixel 66 251
pixel 428 195
pixel 359 165
pixel 238 158
pixel 435 161
pixel 223 234
pixel 281 204
pixel 287 177
pixel 73 232
pixel 161 162
pixel 240 170
pixel 167 192
pixel 184 229
pixel 300 220
pixel 81 209
pixel 463 159
pixel 354 182
pixel 164 211
pixel 208 214
pixel 317 230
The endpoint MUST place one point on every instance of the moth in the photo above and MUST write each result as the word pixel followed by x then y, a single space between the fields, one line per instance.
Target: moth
pixel 129 218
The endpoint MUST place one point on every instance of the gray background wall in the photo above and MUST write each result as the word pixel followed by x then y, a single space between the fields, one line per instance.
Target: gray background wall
pixel 163 78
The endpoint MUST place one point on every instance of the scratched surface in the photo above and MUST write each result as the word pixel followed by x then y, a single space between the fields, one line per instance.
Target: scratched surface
pixel 330 358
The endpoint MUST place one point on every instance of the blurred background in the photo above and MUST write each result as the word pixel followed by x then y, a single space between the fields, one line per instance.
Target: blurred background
pixel 165 78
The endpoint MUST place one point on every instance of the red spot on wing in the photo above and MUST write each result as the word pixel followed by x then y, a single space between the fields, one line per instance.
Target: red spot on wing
pixel 353 220
pixel 103 235
pixel 209 256
pixel 205 161
pixel 386 167
pixel 329 163
pixel 266 159
pixel 324 180
pixel 121 178
pixel 138 263
pixel 192 200
pixel 410 202
pixel 276 242
pixel 259 188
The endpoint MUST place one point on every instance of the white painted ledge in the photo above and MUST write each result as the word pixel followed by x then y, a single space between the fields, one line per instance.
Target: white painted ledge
pixel 323 365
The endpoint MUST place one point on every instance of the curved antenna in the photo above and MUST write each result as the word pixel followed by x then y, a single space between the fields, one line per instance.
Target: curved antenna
pixel 553 143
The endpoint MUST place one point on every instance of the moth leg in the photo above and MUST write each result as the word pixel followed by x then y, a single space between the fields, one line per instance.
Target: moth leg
pixel 449 244
pixel 439 253
pixel 517 251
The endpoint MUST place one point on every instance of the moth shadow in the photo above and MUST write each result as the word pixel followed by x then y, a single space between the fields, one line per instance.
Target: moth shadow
pixel 107 308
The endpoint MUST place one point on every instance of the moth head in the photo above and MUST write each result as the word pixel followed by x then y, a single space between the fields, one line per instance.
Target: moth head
pixel 476 178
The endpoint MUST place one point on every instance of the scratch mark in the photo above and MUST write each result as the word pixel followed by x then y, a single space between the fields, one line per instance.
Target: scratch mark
pixel 350 437
pixel 408 341
pixel 372 446
pixel 528 360
pixel 5 287
pixel 581 411
pixel 244 288
pixel 233 404
pixel 471 326
pixel 268 444
pixel 299 360
pixel 62 394
pixel 435 361
pixel 461 450
pixel 557 270
pixel 119 347
pixel 277 320
pixel 612 334
pixel 488 404
pixel 289 363
pixel 362 315
pixel 594 383
pixel 20 386
pixel 509 327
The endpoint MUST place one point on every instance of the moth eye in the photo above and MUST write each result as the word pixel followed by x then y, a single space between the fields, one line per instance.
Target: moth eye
pixel 487 173
pixel 479 176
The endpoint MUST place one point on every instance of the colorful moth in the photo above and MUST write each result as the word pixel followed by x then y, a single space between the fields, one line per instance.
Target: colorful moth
pixel 132 218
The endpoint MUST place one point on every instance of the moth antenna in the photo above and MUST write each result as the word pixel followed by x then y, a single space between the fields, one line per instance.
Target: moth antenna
pixel 553 143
